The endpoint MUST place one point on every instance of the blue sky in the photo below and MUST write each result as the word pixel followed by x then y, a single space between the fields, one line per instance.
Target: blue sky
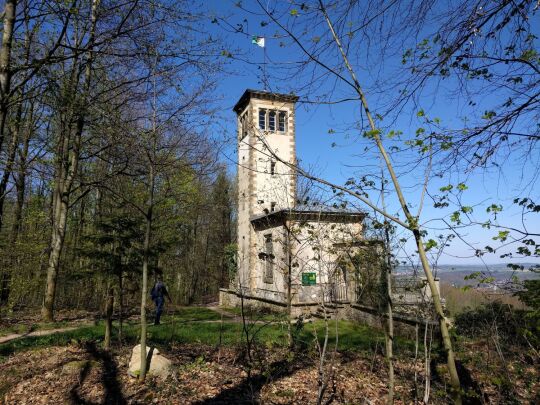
pixel 347 158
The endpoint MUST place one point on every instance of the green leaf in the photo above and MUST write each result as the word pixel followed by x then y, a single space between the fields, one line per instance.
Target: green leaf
pixel 455 217
pixel 494 208
pixel 502 236
pixel 446 188
pixel 466 209
pixel 430 244
pixel 420 113
pixel 472 276
pixel 489 115
pixel 372 133
pixel 446 145
pixel 462 187
pixel 294 12
pixel 529 54
pixel 393 133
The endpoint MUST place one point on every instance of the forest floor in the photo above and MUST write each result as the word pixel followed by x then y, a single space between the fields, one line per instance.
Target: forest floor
pixel 211 366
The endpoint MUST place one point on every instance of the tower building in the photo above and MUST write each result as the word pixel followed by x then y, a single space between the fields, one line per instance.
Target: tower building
pixel 287 253
pixel 266 139
pixel 291 255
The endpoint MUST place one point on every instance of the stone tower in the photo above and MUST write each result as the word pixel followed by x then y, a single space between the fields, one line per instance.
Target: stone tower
pixel 265 130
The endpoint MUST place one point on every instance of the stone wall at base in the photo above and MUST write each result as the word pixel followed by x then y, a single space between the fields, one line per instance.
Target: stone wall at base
pixel 232 298
pixel 404 325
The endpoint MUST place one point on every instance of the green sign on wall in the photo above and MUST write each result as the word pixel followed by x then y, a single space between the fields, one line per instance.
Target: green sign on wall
pixel 309 278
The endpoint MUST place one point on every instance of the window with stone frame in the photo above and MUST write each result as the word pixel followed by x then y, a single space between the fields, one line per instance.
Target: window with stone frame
pixel 268 258
pixel 273 120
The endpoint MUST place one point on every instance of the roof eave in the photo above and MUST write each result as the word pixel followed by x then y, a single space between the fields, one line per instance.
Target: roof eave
pixel 305 215
pixel 264 95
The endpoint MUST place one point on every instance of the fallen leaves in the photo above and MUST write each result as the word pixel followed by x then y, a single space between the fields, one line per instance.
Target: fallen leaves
pixel 85 374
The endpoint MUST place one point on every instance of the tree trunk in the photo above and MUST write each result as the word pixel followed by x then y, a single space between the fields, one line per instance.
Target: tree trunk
pixel 11 153
pixel 5 279
pixel 120 306
pixel 108 323
pixel 289 284
pixel 387 282
pixel 57 244
pixel 146 254
pixel 20 178
pixel 5 64
pixel 389 335
pixel 66 171
pixel 447 341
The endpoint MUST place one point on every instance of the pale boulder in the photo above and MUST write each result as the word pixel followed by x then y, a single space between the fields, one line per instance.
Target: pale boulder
pixel 160 366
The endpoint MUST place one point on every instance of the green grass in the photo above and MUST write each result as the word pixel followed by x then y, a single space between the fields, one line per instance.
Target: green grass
pixel 259 314
pixel 184 314
pixel 185 326
pixel 56 339
pixel 352 336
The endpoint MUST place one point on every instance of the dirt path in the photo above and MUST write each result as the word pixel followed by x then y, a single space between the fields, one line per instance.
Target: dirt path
pixel 45 332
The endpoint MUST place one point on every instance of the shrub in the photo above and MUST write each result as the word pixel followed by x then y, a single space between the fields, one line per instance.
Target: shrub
pixel 509 325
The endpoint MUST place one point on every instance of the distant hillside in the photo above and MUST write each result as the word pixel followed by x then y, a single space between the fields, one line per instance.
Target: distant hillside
pixel 455 275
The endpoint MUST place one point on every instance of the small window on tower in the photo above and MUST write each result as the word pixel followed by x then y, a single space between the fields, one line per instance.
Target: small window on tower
pixel 272 168
pixel 268 256
pixel 272 206
pixel 282 118
pixel 262 118
pixel 244 125
pixel 272 121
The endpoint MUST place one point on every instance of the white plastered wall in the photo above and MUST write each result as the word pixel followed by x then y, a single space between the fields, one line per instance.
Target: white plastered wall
pixel 312 250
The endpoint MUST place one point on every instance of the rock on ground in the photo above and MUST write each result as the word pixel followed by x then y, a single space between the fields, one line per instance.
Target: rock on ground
pixel 160 366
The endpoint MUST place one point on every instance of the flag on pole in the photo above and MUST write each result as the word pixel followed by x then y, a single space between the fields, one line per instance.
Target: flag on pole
pixel 258 41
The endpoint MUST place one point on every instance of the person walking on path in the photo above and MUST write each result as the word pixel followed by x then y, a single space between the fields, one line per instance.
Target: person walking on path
pixel 158 293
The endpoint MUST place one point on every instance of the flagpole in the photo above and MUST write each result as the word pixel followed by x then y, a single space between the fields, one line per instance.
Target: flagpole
pixel 264 67
pixel 259 41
